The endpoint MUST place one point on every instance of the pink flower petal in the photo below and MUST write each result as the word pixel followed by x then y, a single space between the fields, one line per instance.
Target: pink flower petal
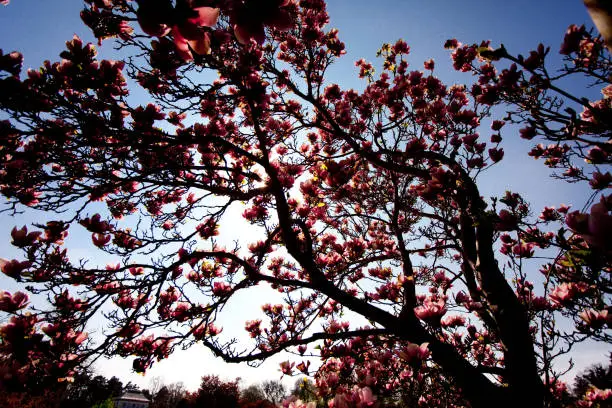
pixel 207 16
pixel 245 34
pixel 152 17
pixel 201 46
pixel 182 46
pixel 282 21
pixel 80 338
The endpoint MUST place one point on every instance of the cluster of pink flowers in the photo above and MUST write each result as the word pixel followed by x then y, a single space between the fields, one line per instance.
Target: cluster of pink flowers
pixel 595 396
pixel 294 402
pixel 596 319
pixel 432 310
pixel 595 227
pixel 188 24
pixel 184 23
pixel 414 354
pixel 358 397
pixel 10 303
pixel 566 292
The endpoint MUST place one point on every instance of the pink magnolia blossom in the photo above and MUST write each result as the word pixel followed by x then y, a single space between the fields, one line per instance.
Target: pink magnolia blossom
pixel 188 36
pixel 294 402
pixel 595 227
pixel 523 249
pixel 287 367
pixel 571 42
pixel 600 180
pixel 413 353
pixel 356 398
pixel 21 237
pixel 251 17
pixel 100 240
pixel 213 330
pixel 136 270
pixel 11 63
pixel 221 289
pixel 129 331
pixel 461 297
pixel 431 310
pixel 14 268
pixel 453 321
pixel 596 395
pixel 365 397
pixel 565 292
pixel 204 330
pixel 507 221
pixel 95 224
pixel 160 18
pixel 595 318
pixel 11 303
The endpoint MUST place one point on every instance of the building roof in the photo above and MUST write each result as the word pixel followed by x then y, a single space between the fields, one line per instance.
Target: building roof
pixel 132 396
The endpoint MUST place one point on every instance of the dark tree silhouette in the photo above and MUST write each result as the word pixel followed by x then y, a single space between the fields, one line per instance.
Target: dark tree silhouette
pixel 361 202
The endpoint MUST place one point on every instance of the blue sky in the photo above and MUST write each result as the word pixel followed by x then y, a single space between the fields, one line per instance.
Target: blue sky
pixel 39 29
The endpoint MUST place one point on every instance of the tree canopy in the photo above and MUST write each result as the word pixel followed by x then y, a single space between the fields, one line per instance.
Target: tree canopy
pixel 366 204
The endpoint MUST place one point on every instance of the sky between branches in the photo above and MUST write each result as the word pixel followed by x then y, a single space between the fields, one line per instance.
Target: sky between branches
pixel 39 29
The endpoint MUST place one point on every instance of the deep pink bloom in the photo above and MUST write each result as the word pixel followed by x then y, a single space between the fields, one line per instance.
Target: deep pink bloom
pixel 188 36
pixel 571 42
pixel 595 227
pixel 431 310
pixel 95 224
pixel 595 318
pixel 11 303
pixel 294 402
pixel 365 397
pixel 11 62
pixel 496 154
pixel 221 288
pixel 154 17
pixel 14 268
pixel 21 237
pixel 461 297
pixel 160 18
pixel 413 353
pixel 251 17
pixel 600 180
pixel 451 44
pixel 549 214
pixel 287 367
pixel 507 221
pixel 600 225
pixel 100 240
pixel 523 249
pixel 453 321
pixel 597 395
pixel 357 397
pixel 213 330
pixel 563 294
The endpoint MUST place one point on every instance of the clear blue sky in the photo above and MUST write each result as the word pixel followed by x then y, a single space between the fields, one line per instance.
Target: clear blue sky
pixel 39 28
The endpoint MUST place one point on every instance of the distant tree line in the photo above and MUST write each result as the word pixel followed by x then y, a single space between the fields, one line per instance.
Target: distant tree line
pixel 96 391
pixel 88 390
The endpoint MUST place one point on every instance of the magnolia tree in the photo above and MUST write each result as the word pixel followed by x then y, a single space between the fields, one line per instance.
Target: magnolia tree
pixel 365 205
